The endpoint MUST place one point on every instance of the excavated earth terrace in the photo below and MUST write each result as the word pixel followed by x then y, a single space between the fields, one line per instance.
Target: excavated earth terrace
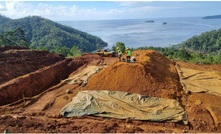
pixel 34 85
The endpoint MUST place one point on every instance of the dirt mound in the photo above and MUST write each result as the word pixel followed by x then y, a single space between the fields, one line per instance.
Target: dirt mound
pixel 152 74
pixel 17 61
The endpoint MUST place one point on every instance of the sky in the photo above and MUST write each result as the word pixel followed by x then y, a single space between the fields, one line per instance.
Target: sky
pixel 106 10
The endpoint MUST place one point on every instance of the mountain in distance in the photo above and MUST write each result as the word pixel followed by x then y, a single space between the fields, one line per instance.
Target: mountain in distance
pixel 212 17
pixel 44 33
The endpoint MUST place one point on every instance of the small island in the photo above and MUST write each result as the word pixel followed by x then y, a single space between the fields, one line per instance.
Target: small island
pixel 212 17
pixel 149 21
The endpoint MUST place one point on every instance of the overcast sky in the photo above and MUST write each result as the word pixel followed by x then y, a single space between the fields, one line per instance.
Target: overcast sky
pixel 102 10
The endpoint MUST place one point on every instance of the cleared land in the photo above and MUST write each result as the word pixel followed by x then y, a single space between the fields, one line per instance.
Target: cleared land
pixel 38 107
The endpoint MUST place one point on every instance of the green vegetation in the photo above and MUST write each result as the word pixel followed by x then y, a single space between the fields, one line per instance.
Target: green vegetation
pixel 17 38
pixel 74 52
pixel 45 34
pixel 14 38
pixel 206 43
pixel 120 45
pixel 185 55
pixel 3 19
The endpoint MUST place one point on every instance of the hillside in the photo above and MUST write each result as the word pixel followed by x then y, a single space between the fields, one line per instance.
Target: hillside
pixel 3 19
pixel 208 42
pixel 47 35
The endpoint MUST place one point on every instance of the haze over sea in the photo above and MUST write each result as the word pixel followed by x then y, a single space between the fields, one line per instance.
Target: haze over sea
pixel 137 33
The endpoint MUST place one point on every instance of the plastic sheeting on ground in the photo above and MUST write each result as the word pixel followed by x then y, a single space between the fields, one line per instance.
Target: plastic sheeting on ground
pixel 83 76
pixel 200 81
pixel 123 105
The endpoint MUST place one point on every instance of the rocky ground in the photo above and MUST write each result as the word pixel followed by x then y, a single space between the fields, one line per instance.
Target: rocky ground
pixel 34 88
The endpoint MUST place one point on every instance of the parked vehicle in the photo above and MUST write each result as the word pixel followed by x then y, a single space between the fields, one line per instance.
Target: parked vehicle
pixel 106 53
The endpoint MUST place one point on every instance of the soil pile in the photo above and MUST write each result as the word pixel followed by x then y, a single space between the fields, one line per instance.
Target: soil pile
pixel 152 74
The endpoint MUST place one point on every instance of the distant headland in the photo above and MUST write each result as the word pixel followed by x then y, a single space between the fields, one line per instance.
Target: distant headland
pixel 212 17
pixel 149 21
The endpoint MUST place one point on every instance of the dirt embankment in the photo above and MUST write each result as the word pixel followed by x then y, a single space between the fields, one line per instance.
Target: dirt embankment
pixel 38 70
pixel 33 83
pixel 15 62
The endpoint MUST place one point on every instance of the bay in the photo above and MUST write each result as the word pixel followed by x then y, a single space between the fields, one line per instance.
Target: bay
pixel 137 33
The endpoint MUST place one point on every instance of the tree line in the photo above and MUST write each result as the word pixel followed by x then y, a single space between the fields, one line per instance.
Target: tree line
pixel 206 43
pixel 17 38
pixel 182 54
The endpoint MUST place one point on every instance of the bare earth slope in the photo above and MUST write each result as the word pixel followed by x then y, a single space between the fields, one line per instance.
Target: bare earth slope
pixel 17 62
pixel 152 75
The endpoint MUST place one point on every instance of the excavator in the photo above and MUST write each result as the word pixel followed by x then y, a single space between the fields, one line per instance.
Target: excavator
pixel 106 53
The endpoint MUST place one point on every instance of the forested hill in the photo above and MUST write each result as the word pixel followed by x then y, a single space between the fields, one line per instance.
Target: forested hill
pixel 3 19
pixel 207 43
pixel 48 35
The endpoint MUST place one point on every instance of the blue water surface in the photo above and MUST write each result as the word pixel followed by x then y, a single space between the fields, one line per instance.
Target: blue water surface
pixel 137 33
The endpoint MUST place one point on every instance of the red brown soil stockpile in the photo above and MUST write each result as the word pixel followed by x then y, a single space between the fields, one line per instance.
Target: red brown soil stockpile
pixel 16 61
pixel 152 74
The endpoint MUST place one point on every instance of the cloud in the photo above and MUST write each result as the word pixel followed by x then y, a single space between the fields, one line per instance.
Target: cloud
pixel 50 10
pixel 136 9
pixel 20 9
pixel 115 11
pixel 2 8
pixel 70 10
pixel 15 9
pixel 146 8
pixel 128 4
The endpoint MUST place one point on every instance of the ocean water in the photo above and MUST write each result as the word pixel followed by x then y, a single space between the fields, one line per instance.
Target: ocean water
pixel 137 33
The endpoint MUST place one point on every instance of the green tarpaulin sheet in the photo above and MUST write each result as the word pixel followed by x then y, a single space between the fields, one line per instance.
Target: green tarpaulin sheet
pixel 123 105
pixel 200 81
